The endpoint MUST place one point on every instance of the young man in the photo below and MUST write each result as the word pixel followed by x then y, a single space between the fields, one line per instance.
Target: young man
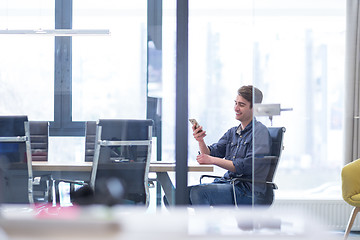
pixel 234 152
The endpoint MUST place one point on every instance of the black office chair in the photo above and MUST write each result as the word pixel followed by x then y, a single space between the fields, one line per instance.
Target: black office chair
pixel 15 160
pixel 39 138
pixel 39 141
pixel 90 134
pixel 122 154
pixel 120 165
pixel 272 161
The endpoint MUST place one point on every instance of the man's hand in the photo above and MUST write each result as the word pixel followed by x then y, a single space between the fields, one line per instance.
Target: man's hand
pixel 204 159
pixel 198 133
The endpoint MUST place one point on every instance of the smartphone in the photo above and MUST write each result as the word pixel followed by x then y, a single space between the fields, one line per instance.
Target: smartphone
pixel 194 122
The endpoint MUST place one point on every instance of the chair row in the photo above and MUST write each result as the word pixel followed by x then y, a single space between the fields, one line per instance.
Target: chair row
pixel 39 140
pixel 119 148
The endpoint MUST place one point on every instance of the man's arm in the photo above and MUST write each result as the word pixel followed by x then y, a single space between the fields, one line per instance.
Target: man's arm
pixel 220 162
pixel 203 147
pixel 199 135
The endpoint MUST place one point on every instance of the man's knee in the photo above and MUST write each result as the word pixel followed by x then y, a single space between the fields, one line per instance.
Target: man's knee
pixel 198 195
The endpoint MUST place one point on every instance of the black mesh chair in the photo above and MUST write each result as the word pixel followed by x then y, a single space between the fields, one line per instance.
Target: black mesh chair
pixel 39 138
pixel 90 134
pixel 122 153
pixel 271 162
pixel 120 164
pixel 15 160
pixel 39 141
pixel 277 135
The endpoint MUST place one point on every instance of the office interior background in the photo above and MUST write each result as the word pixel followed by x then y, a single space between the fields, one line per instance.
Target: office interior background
pixel 294 51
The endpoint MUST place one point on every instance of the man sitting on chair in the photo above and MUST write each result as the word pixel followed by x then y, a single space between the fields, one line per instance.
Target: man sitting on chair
pixel 234 152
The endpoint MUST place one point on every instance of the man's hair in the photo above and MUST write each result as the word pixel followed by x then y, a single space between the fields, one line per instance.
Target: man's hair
pixel 247 93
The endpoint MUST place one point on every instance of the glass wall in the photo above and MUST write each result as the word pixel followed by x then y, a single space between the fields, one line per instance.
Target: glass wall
pixel 299 52
pixel 220 62
pixel 293 51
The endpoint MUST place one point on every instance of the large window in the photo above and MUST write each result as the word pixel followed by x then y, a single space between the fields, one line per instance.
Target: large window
pixel 109 73
pixel 27 62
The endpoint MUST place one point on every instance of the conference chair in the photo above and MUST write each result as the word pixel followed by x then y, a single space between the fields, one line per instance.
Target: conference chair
pixel 90 134
pixel 15 160
pixel 39 135
pixel 120 165
pixel 122 154
pixel 272 161
pixel 39 141
pixel 350 176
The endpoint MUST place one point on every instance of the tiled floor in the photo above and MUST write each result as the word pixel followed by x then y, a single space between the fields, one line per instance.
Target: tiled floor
pixel 354 235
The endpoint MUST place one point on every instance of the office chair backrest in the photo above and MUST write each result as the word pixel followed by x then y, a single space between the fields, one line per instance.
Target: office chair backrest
pixel 124 153
pixel 276 134
pixel 90 134
pixel 125 130
pixel 15 160
pixel 39 138
pixel 12 126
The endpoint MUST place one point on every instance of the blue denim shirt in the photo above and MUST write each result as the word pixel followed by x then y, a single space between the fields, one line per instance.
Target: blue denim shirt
pixel 237 146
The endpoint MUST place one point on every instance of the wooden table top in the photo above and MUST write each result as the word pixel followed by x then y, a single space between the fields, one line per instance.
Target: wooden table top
pixel 86 167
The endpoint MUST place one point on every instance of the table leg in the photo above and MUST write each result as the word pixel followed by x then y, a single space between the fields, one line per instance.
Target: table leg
pixel 169 189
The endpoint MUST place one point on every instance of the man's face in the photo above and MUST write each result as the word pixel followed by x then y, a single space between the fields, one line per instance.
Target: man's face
pixel 242 110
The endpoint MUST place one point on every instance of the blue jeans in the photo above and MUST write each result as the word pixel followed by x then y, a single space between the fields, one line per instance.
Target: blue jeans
pixel 213 194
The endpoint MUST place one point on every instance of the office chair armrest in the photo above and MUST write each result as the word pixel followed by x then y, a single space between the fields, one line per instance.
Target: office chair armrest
pixel 234 180
pixel 208 176
pixel 42 188
pixel 70 181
